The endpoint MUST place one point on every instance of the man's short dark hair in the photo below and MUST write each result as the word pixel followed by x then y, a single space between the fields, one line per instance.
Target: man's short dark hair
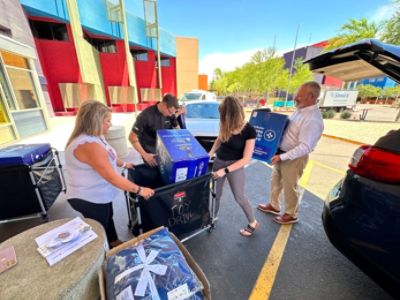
pixel 170 100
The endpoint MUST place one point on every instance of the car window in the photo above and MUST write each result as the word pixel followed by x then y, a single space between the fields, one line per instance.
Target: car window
pixel 202 111
pixel 191 96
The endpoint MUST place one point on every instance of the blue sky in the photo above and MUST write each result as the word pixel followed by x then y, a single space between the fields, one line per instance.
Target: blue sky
pixel 229 31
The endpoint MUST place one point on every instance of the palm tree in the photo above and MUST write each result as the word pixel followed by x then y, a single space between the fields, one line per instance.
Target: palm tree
pixel 353 31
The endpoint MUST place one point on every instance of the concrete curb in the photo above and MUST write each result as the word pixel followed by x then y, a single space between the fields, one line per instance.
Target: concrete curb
pixel 343 139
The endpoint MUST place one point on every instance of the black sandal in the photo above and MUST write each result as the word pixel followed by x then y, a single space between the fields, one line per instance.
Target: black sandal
pixel 249 230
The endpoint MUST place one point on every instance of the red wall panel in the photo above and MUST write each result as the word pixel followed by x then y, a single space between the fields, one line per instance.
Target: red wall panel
pixel 331 81
pixel 146 73
pixel 169 78
pixel 60 64
pixel 114 68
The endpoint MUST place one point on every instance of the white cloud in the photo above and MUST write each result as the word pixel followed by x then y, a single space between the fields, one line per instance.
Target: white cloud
pixel 224 61
pixel 383 13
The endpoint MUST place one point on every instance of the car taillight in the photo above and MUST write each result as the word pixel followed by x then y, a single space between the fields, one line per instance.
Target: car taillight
pixel 377 164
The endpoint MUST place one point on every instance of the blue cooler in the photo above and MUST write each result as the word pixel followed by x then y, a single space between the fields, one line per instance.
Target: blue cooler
pixel 30 181
pixel 179 155
pixel 270 128
pixel 23 154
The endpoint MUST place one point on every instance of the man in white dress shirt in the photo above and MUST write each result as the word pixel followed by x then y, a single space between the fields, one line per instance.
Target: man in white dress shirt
pixel 301 136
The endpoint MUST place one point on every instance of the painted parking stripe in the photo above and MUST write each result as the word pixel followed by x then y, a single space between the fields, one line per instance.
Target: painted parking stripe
pixel 329 168
pixel 265 281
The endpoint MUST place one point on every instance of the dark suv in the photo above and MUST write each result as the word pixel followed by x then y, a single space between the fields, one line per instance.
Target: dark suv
pixel 361 215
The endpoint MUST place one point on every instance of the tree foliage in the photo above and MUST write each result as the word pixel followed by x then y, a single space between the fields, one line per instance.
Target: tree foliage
pixel 391 31
pixel 368 91
pixel 263 74
pixel 353 31
pixel 301 74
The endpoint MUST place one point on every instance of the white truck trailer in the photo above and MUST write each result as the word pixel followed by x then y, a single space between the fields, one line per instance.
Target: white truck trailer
pixel 338 99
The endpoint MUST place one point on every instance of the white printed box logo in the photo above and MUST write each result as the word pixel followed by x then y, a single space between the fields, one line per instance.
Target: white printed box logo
pixel 269 135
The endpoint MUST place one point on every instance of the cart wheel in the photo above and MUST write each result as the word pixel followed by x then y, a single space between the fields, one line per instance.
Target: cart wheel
pixel 135 231
pixel 45 217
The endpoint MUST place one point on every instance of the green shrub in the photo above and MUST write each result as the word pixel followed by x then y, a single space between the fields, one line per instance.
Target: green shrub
pixel 328 114
pixel 345 115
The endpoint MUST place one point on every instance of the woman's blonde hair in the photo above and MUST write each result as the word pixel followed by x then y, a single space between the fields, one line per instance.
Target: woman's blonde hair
pixel 90 119
pixel 232 117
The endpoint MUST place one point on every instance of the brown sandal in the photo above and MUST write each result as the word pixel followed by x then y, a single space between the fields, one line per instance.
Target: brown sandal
pixel 249 230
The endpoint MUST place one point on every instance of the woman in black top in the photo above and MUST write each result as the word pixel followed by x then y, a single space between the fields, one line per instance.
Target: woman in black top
pixel 234 148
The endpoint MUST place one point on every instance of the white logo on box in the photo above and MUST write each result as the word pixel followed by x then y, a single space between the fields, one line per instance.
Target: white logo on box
pixel 269 135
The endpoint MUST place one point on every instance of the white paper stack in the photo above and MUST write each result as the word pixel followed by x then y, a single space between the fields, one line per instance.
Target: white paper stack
pixel 60 242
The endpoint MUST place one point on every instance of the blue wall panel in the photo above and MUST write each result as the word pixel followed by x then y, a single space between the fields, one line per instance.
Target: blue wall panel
pixel 56 9
pixel 167 42
pixel 381 81
pixel 93 15
pixel 137 31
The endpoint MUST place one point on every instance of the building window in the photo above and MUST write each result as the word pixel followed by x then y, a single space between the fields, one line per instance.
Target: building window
pixel 22 83
pixel 102 45
pixel 49 31
pixel 20 75
pixel 6 90
pixel 140 55
pixel 5 31
pixel 165 62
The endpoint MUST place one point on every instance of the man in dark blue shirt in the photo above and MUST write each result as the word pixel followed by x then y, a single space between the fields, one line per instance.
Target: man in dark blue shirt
pixel 143 136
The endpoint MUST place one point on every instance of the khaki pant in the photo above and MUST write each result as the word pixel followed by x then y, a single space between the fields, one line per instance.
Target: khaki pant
pixel 286 175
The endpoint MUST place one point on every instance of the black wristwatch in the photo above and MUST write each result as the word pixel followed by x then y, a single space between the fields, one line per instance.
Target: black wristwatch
pixel 226 170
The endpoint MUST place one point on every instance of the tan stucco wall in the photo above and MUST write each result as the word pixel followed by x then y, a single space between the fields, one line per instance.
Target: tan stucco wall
pixel 187 64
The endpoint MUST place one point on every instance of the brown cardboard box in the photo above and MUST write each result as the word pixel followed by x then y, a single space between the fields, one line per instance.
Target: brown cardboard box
pixel 191 262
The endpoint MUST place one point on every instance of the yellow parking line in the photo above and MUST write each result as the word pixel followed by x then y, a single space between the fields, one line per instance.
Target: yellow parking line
pixel 341 172
pixel 263 287
pixel 306 174
pixel 265 281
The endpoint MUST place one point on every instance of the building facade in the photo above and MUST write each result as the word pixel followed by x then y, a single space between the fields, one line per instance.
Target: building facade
pixel 307 52
pixel 23 91
pixel 187 68
pixel 109 50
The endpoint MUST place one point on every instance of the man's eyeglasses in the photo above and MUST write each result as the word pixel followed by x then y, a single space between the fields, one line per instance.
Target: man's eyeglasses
pixel 172 110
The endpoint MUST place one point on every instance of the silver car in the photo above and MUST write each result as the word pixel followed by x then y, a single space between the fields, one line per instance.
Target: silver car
pixel 202 120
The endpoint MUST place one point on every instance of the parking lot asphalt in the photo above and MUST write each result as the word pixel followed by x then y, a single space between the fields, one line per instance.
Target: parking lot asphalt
pixel 307 267
pixel 310 267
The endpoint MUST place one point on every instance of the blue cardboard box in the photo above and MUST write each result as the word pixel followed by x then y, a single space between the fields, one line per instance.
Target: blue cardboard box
pixel 179 155
pixel 270 128
pixel 22 154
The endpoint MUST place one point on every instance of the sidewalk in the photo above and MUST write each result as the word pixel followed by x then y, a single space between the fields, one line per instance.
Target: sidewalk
pixel 61 128
pixel 359 131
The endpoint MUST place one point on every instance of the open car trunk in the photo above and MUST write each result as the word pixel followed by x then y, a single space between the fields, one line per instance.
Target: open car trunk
pixel 367 58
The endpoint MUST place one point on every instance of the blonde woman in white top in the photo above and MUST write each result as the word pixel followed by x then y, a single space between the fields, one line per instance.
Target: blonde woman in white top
pixel 93 179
